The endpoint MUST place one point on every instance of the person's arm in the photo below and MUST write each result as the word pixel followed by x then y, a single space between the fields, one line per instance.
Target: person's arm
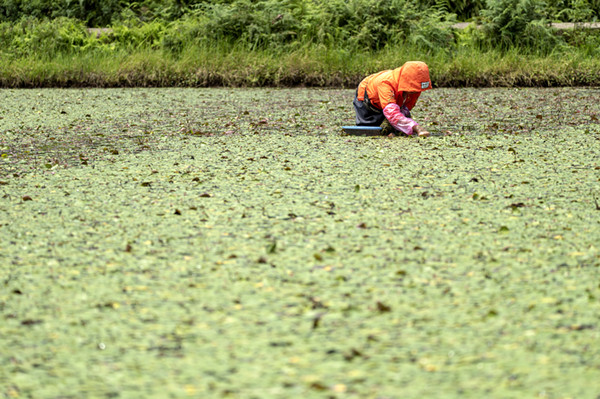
pixel 398 121
pixel 392 112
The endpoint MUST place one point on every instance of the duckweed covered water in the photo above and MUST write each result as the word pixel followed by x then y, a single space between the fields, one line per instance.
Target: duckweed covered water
pixel 232 243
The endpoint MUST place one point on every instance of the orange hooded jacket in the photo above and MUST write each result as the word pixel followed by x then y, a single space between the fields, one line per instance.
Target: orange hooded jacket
pixel 387 87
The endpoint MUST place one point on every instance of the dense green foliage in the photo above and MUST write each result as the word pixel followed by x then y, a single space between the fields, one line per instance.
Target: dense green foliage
pixel 328 38
pixel 518 23
pixel 337 24
pixel 102 13
pixel 232 244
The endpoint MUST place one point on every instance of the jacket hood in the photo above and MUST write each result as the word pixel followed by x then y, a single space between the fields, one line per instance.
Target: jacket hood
pixel 413 76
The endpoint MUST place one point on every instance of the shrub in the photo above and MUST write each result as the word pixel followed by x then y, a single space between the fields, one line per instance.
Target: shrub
pixel 463 9
pixel 518 23
pixel 573 10
pixel 91 12
pixel 44 38
pixel 352 26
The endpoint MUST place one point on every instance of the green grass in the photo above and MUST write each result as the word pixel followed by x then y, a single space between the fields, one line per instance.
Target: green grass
pixel 317 66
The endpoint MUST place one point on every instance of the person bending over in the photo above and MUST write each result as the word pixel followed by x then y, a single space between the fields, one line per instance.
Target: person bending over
pixel 386 98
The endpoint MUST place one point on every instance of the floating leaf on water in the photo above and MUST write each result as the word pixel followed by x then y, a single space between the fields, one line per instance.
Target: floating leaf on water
pixel 383 308
pixel 352 354
pixel 31 322
pixel 339 388
pixel 516 205
pixel 581 327
pixel 318 386
pixel 316 320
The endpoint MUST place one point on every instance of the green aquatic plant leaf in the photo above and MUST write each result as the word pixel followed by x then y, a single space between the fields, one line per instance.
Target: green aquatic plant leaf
pixel 147 261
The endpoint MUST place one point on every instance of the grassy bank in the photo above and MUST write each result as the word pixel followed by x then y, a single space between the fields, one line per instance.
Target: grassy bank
pixel 301 43
pixel 315 66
